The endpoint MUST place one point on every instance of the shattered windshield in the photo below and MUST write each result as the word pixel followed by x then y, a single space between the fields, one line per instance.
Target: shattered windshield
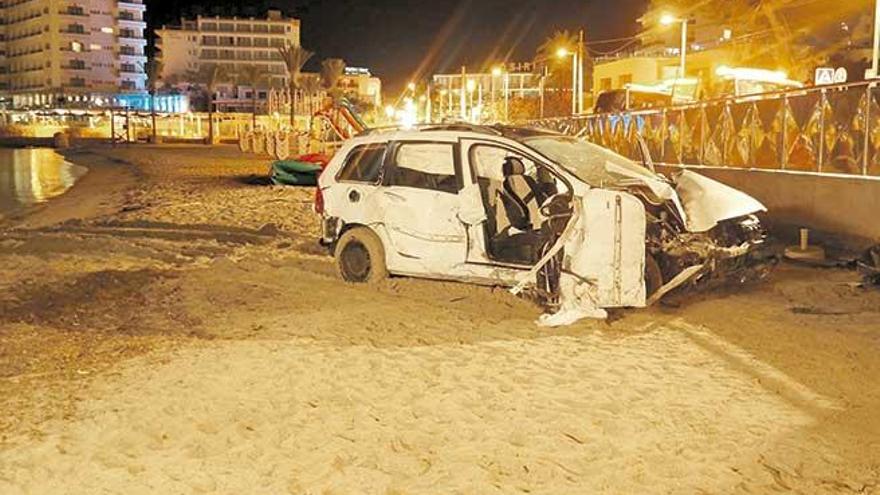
pixel 591 163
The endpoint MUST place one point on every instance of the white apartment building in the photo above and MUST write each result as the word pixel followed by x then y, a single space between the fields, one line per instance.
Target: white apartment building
pixel 71 52
pixel 230 42
pixel 361 84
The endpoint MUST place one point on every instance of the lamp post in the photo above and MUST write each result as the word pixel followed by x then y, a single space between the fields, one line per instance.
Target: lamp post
pixel 668 20
pixel 506 97
pixel 470 88
pixel 875 59
pixel 496 73
pixel 564 53
pixel 505 89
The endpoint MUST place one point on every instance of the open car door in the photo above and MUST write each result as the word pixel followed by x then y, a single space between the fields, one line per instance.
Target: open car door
pixel 420 195
pixel 604 247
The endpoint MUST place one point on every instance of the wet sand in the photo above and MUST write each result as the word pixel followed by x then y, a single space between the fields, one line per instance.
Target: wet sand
pixel 173 328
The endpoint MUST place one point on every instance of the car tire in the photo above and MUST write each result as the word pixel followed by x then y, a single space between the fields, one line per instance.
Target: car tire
pixel 653 276
pixel 360 257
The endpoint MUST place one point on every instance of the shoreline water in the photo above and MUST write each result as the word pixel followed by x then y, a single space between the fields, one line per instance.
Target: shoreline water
pixel 98 191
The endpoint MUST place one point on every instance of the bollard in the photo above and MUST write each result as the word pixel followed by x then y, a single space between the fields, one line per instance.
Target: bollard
pixel 804 252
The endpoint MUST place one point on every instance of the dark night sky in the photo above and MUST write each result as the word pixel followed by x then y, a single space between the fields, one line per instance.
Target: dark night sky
pixel 395 37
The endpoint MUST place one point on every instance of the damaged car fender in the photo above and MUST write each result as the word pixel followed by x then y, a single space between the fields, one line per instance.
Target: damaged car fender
pixel 707 202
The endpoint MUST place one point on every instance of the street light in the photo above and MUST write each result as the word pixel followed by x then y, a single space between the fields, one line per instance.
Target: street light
pixel 875 59
pixel 565 53
pixel 668 20
pixel 498 72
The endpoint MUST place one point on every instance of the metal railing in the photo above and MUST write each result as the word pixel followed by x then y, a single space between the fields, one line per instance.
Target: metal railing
pixel 826 130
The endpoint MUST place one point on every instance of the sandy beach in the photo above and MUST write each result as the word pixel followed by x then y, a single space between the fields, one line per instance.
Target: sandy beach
pixel 170 325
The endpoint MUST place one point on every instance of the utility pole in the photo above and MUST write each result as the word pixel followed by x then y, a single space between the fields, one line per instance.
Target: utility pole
pixel 506 97
pixel 581 53
pixel 684 44
pixel 574 84
pixel 875 60
pixel 429 105
pixel 463 91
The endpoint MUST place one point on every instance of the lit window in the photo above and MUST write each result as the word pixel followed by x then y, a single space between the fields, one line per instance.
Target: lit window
pixel 76 46
pixel 94 47
pixel 107 30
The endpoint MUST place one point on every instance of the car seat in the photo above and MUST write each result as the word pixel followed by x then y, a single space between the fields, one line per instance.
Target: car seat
pixel 524 244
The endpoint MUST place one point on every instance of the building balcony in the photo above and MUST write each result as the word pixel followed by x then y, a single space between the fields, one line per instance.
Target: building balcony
pixel 131 53
pixel 135 5
pixel 74 13
pixel 20 20
pixel 24 36
pixel 15 3
pixel 74 32
pixel 36 51
pixel 131 21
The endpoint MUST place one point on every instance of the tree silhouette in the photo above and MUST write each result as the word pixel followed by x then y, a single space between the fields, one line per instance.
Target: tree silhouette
pixel 295 57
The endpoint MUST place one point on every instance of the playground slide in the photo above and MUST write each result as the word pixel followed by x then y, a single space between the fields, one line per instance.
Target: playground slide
pixel 351 115
pixel 343 110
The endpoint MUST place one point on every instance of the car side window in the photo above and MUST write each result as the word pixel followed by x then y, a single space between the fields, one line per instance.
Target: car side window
pixel 429 166
pixel 364 164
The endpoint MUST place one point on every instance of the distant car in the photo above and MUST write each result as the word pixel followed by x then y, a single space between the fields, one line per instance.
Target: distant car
pixel 580 226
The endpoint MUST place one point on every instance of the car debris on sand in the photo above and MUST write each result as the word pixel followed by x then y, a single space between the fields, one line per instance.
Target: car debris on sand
pixel 580 227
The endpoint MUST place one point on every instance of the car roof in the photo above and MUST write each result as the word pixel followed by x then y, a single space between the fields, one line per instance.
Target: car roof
pixel 447 132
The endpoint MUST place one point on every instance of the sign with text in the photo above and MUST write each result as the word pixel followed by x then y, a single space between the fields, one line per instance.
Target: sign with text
pixel 824 75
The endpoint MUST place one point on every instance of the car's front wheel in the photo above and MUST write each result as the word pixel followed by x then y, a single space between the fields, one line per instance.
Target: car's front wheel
pixel 360 257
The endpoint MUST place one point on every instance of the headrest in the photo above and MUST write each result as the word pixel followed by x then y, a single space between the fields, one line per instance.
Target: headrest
pixel 513 166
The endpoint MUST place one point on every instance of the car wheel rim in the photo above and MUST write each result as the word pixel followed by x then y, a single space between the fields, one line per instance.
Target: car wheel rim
pixel 356 262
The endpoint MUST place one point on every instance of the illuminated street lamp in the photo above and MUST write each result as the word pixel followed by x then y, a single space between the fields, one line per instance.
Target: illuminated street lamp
pixel 498 72
pixel 470 87
pixel 575 84
pixel 668 20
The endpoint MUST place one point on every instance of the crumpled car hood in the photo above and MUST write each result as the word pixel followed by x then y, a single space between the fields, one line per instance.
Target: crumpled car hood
pixel 702 202
pixel 707 202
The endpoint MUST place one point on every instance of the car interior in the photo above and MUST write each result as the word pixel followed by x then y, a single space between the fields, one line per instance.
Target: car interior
pixel 517 194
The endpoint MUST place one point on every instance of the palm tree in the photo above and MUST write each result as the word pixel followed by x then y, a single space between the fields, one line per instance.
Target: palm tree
pixel 295 57
pixel 253 76
pixel 209 77
pixel 332 71
pixel 153 69
pixel 311 85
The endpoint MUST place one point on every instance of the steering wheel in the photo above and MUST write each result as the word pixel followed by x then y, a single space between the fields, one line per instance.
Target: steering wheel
pixel 550 209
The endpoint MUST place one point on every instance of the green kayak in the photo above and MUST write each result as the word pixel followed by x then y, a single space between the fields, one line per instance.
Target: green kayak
pixel 295 173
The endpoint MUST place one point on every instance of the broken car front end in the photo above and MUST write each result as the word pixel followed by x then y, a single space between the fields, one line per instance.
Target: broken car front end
pixel 698 233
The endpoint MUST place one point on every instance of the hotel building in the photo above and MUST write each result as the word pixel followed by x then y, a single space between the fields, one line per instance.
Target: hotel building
pixel 233 43
pixel 70 52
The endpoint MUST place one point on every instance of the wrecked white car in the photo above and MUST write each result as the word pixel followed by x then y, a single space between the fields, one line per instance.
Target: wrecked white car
pixel 580 227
